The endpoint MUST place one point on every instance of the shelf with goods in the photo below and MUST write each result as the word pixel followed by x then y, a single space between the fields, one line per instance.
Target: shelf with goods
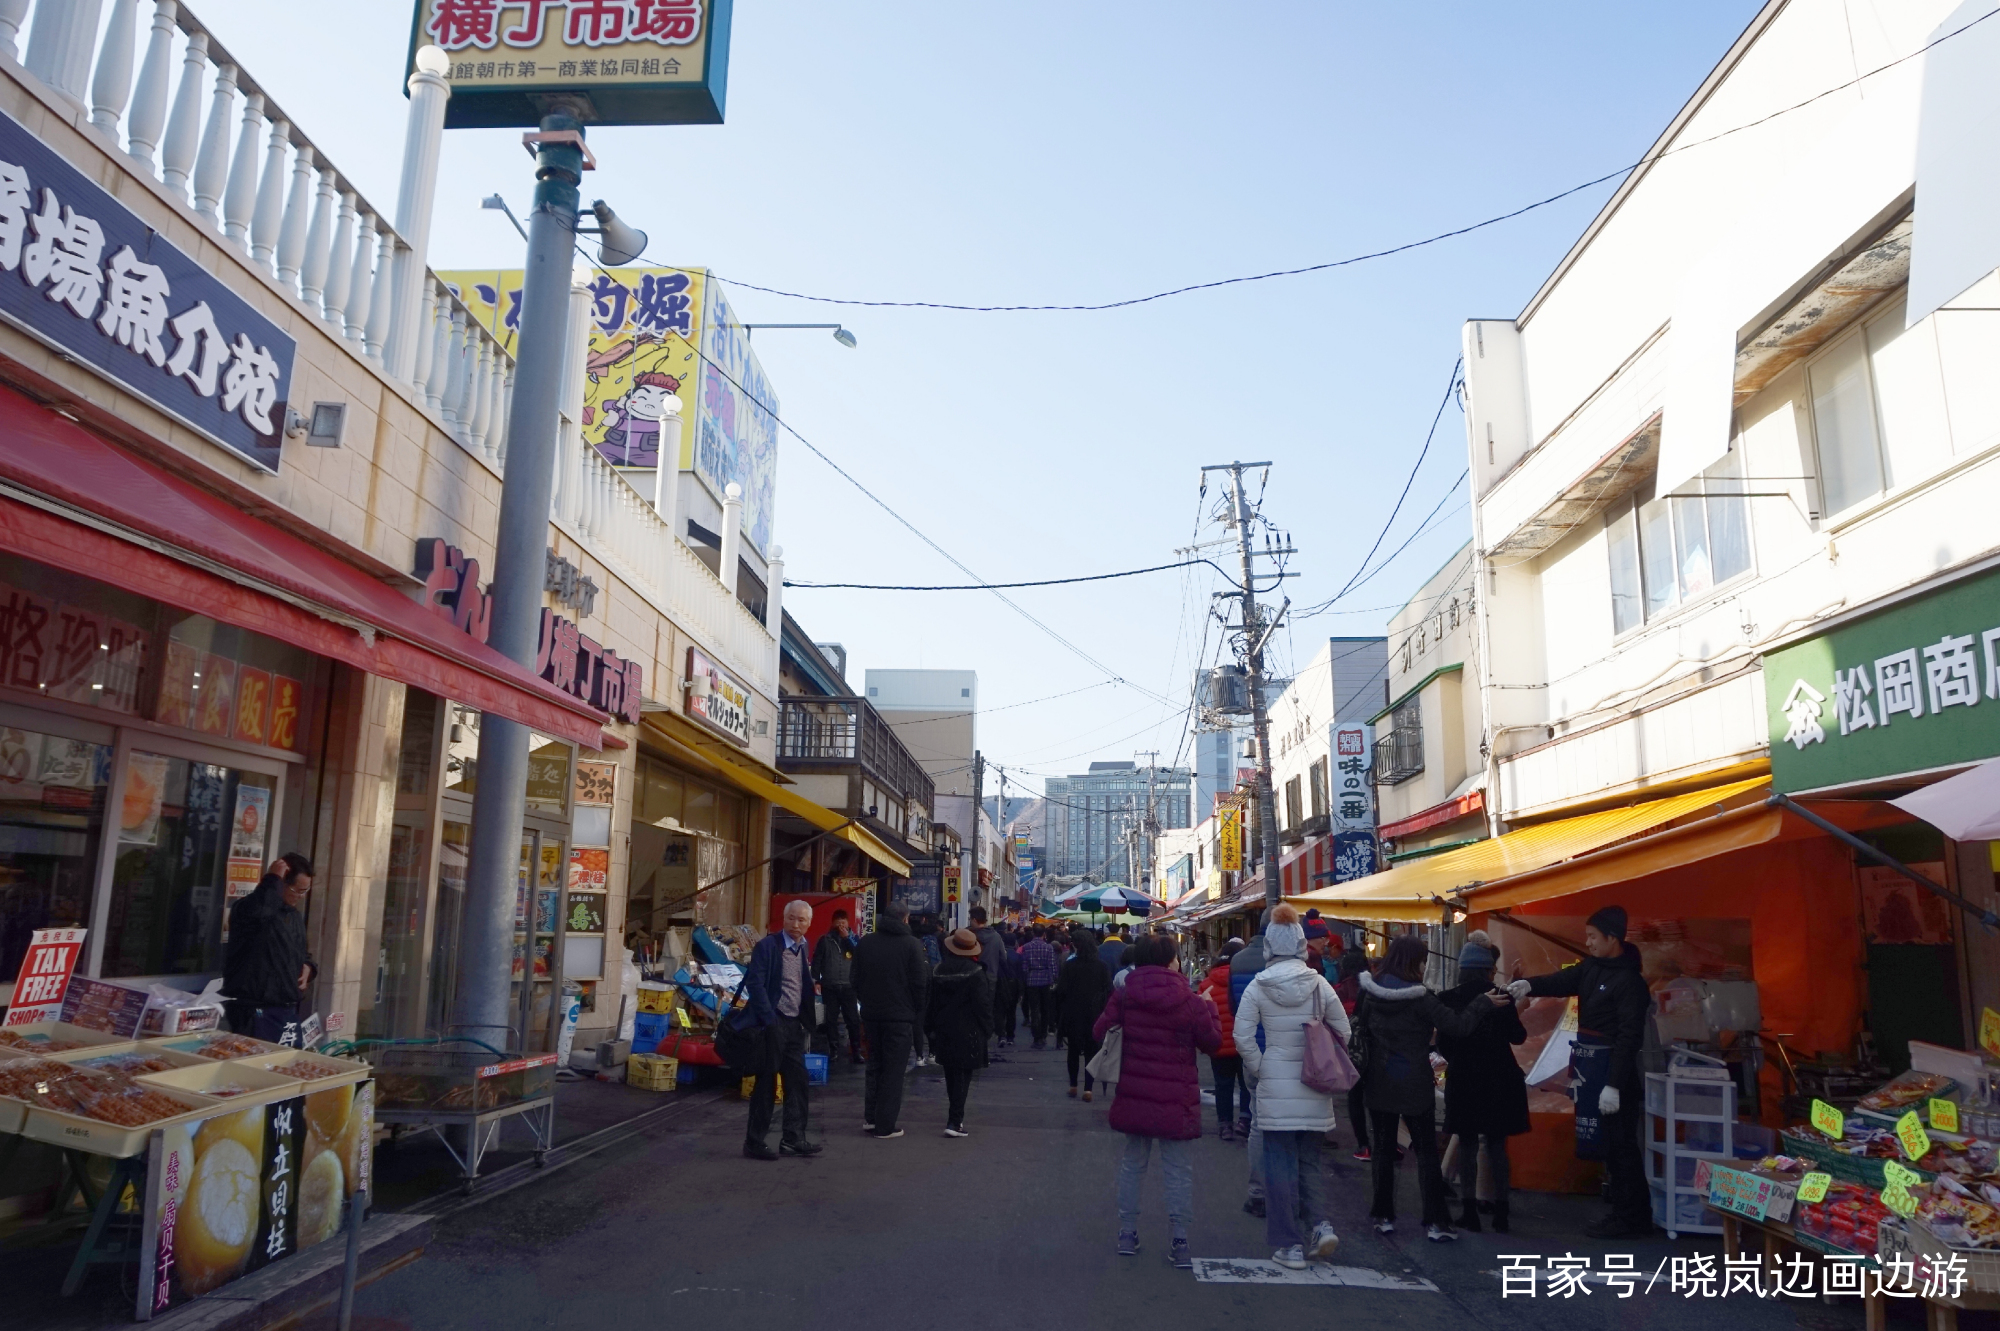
pixel 1690 1118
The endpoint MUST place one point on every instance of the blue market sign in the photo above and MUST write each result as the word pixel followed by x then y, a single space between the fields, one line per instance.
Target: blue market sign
pixel 95 282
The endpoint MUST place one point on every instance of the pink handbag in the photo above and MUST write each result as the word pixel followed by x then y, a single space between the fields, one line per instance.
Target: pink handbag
pixel 1327 1068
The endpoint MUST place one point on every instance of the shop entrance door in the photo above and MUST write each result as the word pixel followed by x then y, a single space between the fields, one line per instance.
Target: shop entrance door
pixel 538 922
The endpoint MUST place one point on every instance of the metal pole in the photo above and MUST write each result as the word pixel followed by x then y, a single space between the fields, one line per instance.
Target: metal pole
pixel 486 935
pixel 1267 821
pixel 978 801
pixel 357 1208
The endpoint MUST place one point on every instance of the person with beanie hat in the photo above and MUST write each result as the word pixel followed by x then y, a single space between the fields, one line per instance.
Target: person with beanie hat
pixel 1285 998
pixel 1485 1091
pixel 1613 1000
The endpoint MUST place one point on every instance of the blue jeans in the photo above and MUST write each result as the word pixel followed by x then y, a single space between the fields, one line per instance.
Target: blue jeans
pixel 1176 1162
pixel 1294 1186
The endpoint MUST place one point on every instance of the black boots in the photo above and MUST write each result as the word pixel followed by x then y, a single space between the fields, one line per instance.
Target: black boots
pixel 1468 1219
pixel 1500 1216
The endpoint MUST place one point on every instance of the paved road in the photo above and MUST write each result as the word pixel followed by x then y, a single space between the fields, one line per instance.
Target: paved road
pixel 1013 1227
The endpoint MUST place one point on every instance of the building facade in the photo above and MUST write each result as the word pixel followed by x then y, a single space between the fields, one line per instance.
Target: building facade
pixel 1430 776
pixel 1097 821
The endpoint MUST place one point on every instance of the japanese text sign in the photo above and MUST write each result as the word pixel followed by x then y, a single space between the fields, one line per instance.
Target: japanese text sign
pixel 1916 1142
pixel 639 62
pixel 1738 1191
pixel 1914 687
pixel 717 698
pixel 1989 1031
pixel 101 285
pixel 1352 794
pixel 1944 1115
pixel 1812 1188
pixel 1229 837
pixel 1898 1199
pixel 1828 1120
pixel 44 975
pixel 581 666
pixel 1898 1175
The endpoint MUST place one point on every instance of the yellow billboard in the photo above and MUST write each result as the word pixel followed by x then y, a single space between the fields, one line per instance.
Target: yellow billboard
pixel 657 333
pixel 1229 837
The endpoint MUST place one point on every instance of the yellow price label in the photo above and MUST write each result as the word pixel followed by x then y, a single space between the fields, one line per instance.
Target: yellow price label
pixel 1812 1188
pixel 686 1025
pixel 1989 1031
pixel 1829 1120
pixel 1899 1176
pixel 1916 1142
pixel 1897 1198
pixel 1944 1115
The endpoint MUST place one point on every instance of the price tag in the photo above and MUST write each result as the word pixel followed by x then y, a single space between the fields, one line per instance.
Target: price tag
pixel 686 1025
pixel 1828 1120
pixel 1812 1188
pixel 1944 1115
pixel 1989 1031
pixel 1900 1177
pixel 1897 1198
pixel 1916 1142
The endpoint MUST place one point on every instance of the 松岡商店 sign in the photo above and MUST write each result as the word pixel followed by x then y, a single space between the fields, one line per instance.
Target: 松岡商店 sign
pixel 636 62
pixel 98 283
pixel 1911 688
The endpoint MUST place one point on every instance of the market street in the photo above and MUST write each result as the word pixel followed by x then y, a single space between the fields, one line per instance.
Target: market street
pixel 1011 1226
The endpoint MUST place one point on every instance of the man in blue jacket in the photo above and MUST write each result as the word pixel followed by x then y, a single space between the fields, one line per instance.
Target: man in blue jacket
pixel 780 991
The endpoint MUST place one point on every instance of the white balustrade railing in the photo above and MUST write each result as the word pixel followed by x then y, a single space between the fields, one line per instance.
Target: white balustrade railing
pixel 220 143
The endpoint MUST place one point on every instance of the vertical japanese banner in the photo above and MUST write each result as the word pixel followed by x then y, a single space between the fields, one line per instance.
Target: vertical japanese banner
pixel 231 1194
pixel 1229 836
pixel 1353 803
pixel 44 975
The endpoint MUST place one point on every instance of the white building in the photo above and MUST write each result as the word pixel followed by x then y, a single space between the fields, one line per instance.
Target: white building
pixel 1430 777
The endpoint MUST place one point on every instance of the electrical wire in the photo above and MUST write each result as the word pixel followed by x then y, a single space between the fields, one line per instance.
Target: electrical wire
pixel 996 586
pixel 1426 525
pixel 1649 159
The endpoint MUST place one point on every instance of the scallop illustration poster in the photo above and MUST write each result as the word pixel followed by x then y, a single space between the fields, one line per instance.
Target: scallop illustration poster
pixel 229 1194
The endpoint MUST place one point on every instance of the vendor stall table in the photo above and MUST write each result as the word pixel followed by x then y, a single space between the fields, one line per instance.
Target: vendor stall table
pixel 1917 1245
pixel 481 1129
pixel 1777 1238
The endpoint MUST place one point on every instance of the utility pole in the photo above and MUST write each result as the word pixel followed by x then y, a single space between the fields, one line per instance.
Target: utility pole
pixel 978 801
pixel 1255 634
pixel 1151 827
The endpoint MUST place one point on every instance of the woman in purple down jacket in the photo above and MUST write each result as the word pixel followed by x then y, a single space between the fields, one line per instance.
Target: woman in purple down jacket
pixel 1159 1091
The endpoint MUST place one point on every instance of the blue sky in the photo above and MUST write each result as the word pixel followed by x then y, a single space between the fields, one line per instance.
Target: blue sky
pixel 1063 153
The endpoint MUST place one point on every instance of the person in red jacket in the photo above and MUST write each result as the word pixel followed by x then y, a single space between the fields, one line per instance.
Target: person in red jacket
pixel 1225 1065
pixel 1159 1091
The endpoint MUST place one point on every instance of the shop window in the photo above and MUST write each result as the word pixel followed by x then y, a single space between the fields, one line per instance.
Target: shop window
pixel 192 837
pixel 1294 811
pixel 230 683
pixel 417 758
pixel 52 792
pixel 1666 551
pixel 1317 776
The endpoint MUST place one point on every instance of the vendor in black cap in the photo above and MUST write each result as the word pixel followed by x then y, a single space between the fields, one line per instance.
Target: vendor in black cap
pixel 1613 999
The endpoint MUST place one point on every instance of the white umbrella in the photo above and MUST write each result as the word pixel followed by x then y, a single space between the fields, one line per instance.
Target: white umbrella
pixel 1964 808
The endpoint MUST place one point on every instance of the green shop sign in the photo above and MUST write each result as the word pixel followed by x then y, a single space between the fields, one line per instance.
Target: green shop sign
pixel 1913 687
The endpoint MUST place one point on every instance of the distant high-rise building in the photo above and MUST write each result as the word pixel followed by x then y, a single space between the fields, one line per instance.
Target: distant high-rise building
pixel 1091 818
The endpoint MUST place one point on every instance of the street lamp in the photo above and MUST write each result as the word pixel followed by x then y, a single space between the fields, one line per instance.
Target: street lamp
pixel 840 334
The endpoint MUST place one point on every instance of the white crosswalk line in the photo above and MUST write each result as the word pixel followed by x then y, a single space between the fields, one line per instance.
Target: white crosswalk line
pixel 1263 1271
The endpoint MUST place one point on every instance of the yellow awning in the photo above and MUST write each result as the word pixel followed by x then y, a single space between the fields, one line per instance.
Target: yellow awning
pixel 1418 890
pixel 738 770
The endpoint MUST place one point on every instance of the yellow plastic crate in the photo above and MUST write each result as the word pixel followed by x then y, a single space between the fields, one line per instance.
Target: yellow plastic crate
pixel 652 1072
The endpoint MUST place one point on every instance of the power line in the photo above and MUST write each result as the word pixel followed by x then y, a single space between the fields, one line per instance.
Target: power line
pixel 1421 529
pixel 993 586
pixel 1647 160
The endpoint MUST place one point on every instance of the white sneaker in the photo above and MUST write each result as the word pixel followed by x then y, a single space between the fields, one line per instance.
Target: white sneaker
pixel 1293 1257
pixel 1324 1242
pixel 868 1127
pixel 1385 1226
pixel 1441 1234
pixel 956 1132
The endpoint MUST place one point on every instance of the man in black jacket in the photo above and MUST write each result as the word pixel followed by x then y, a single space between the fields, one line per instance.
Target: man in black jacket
pixel 266 966
pixel 891 974
pixel 833 967
pixel 1612 1004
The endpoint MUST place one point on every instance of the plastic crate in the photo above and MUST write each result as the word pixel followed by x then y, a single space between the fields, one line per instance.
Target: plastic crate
pixel 1848 1168
pixel 1691 1213
pixel 1685 1165
pixel 816 1069
pixel 652 1072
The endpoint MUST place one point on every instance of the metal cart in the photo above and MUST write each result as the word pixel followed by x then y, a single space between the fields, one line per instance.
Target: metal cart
pixel 428 1088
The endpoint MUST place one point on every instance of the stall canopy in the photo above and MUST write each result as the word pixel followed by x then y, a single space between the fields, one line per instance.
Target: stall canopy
pixel 1724 830
pixel 665 729
pixel 70 499
pixel 1305 864
pixel 1416 890
pixel 1965 807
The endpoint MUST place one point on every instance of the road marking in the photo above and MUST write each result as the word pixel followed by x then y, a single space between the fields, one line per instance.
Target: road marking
pixel 1256 1271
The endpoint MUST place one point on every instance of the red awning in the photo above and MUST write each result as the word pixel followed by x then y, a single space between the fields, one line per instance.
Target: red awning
pixel 174 542
pixel 1299 870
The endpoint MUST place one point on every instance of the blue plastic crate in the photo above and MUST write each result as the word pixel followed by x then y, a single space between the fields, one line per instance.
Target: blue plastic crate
pixel 816 1069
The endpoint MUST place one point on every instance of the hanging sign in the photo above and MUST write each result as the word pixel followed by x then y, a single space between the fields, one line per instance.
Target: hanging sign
pixel 101 285
pixel 717 699
pixel 44 975
pixel 1229 837
pixel 953 876
pixel 637 62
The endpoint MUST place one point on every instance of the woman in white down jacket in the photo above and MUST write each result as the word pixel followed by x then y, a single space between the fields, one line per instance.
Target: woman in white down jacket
pixel 1285 997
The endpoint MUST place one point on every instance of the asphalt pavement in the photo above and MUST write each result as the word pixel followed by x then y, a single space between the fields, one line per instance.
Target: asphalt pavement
pixel 1013 1226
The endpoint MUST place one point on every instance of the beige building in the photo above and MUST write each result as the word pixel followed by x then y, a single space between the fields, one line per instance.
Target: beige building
pixel 1430 777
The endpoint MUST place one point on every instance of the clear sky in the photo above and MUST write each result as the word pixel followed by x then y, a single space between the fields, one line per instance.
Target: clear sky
pixel 1044 152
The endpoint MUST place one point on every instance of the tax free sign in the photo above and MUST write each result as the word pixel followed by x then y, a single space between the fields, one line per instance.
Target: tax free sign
pixel 1911 688
pixel 80 273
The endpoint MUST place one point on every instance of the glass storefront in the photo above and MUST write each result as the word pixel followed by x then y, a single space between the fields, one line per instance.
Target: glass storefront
pixel 686 832
pixel 183 728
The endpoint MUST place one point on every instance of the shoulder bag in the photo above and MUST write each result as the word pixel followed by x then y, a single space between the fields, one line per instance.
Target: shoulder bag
pixel 1327 1068
pixel 1104 1064
pixel 739 1040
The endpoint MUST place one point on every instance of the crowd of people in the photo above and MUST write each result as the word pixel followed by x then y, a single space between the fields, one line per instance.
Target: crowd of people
pixel 1133 1016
